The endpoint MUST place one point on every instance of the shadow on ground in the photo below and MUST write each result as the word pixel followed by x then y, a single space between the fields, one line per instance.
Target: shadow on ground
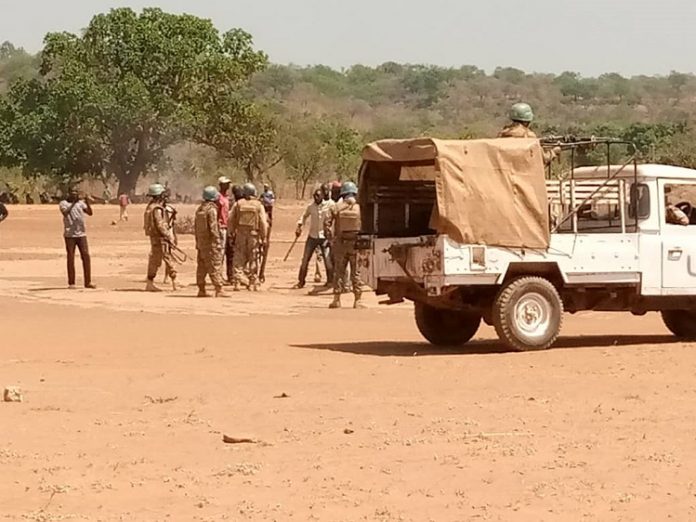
pixel 404 349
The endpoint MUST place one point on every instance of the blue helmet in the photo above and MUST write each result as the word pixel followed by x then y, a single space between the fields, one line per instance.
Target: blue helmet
pixel 211 194
pixel 349 189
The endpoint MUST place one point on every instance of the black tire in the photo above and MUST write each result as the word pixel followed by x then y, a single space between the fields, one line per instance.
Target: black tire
pixel 540 327
pixel 681 323
pixel 446 327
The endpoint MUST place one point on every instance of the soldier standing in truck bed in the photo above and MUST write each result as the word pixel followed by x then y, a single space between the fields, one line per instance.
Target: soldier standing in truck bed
pixel 522 116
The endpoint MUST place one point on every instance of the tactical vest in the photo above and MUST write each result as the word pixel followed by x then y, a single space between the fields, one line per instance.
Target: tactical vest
pixel 248 215
pixel 149 219
pixel 201 229
pixel 348 219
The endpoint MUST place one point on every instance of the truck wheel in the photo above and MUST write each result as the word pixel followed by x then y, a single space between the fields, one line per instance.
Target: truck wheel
pixel 527 314
pixel 446 327
pixel 681 323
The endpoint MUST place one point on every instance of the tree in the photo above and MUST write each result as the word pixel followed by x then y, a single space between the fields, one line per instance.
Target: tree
pixel 305 153
pixel 245 134
pixel 343 146
pixel 128 88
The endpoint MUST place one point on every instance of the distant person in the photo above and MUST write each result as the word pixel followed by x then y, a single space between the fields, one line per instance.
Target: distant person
pixel 3 212
pixel 158 229
pixel 343 225
pixel 316 212
pixel 268 201
pixel 249 229
pixel 123 202
pixel 336 191
pixel 74 209
pixel 223 205
pixel 207 231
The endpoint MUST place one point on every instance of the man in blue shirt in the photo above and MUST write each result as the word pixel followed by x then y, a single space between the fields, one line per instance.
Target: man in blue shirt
pixel 74 231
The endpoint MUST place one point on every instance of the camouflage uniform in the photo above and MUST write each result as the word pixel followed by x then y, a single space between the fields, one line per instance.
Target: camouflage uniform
pixel 249 228
pixel 208 245
pixel 158 229
pixel 516 129
pixel 343 224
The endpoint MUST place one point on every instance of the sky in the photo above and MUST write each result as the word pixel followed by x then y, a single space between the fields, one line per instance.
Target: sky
pixel 592 37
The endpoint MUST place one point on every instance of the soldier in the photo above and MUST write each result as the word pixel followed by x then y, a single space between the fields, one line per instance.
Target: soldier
pixel 208 243
pixel 158 228
pixel 3 212
pixel 522 117
pixel 249 228
pixel 343 225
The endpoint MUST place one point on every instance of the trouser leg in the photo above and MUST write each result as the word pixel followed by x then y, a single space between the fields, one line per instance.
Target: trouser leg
pixel 70 244
pixel 306 257
pixel 83 247
pixel 355 274
pixel 155 259
pixel 215 268
pixel 253 259
pixel 328 264
pixel 201 270
pixel 340 269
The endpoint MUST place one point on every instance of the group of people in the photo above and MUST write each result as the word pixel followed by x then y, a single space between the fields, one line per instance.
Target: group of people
pixel 231 224
pixel 334 223
pixel 234 223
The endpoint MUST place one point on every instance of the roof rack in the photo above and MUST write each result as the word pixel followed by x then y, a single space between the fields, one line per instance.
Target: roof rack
pixel 571 144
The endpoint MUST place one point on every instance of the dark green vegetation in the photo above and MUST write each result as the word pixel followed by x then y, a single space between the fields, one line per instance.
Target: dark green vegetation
pixel 169 96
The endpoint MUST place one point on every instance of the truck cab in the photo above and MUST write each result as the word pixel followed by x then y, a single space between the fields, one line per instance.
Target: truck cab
pixel 481 230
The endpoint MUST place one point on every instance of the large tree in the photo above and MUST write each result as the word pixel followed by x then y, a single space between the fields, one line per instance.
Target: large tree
pixel 114 98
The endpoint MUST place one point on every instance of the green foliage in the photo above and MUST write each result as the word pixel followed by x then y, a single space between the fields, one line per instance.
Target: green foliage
pixel 116 97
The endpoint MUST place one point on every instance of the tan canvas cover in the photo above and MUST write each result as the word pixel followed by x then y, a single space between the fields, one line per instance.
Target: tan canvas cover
pixel 489 192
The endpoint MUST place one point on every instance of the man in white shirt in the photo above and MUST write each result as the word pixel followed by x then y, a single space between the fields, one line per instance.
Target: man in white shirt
pixel 316 212
pixel 74 209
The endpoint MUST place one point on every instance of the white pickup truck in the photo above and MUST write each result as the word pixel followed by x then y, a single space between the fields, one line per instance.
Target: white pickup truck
pixel 456 247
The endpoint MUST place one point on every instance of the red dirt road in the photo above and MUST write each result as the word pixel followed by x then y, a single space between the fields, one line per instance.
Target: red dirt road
pixel 127 396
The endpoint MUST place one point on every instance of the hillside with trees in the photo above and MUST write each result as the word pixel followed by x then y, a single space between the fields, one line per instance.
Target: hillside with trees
pixel 152 95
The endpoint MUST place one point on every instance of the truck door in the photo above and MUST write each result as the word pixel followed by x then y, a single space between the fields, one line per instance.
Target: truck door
pixel 678 240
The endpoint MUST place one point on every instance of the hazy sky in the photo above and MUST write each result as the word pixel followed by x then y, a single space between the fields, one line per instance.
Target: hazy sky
pixel 589 36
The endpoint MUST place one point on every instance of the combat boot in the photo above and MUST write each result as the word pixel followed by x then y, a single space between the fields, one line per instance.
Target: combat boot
pixel 175 286
pixel 150 287
pixel 219 292
pixel 336 303
pixel 202 292
pixel 358 304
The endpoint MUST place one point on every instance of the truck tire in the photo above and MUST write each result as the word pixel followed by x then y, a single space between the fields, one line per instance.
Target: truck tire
pixel 528 313
pixel 446 327
pixel 681 323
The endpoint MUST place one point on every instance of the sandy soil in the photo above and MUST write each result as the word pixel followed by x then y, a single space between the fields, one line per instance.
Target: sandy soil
pixel 127 397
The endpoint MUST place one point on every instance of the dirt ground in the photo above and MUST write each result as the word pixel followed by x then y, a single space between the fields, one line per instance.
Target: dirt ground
pixel 127 397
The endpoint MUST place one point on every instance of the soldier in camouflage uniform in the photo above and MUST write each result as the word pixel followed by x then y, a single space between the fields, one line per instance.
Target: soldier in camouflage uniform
pixel 249 230
pixel 522 116
pixel 343 225
pixel 158 229
pixel 208 243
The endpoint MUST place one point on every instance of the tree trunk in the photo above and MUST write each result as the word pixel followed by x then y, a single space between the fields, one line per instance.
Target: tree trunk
pixel 127 182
